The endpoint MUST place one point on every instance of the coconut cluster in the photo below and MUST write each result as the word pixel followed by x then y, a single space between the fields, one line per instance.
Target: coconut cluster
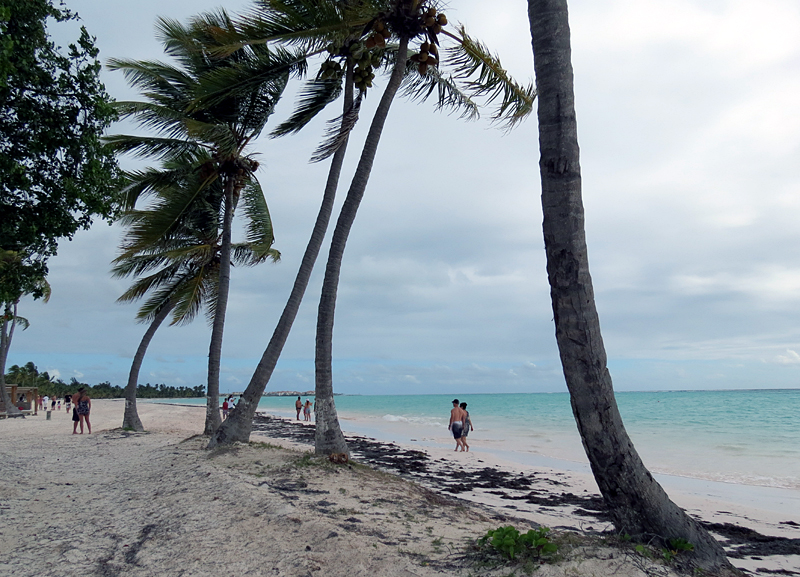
pixel 329 70
pixel 428 54
pixel 379 35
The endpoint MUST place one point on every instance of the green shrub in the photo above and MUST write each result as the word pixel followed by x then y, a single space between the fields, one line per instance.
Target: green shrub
pixel 510 542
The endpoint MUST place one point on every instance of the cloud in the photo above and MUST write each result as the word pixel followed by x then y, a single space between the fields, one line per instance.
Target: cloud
pixel 790 358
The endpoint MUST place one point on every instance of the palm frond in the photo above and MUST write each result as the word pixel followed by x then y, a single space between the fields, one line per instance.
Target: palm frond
pixel 193 293
pixel 260 235
pixel 144 285
pixel 149 146
pixel 311 24
pixel 485 77
pixel 245 254
pixel 21 322
pixel 449 95
pixel 338 132
pixel 314 96
pixel 265 72
pixel 149 181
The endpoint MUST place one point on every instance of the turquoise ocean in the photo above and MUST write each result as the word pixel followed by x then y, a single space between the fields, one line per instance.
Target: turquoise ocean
pixel 747 437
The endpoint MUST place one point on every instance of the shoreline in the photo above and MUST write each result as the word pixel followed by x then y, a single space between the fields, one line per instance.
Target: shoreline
pixel 118 502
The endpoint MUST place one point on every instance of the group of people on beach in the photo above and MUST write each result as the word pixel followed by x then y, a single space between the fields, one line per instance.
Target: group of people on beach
pixel 460 425
pixel 306 408
pixel 227 406
pixel 80 403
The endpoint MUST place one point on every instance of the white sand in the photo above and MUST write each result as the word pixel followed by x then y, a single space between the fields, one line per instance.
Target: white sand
pixel 117 503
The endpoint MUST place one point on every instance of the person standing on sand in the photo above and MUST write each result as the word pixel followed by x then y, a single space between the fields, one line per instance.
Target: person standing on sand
pixel 467 425
pixel 84 406
pixel 225 409
pixel 75 418
pixel 456 425
pixel 298 404
pixel 307 411
pixel 67 402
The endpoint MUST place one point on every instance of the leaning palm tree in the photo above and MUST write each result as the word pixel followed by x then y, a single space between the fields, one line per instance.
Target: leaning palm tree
pixel 179 267
pixel 638 505
pixel 360 36
pixel 211 140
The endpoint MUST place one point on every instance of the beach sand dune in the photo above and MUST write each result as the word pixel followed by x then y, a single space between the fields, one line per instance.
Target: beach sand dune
pixel 157 503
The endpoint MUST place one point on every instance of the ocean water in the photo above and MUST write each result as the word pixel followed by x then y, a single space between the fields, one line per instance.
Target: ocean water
pixel 749 437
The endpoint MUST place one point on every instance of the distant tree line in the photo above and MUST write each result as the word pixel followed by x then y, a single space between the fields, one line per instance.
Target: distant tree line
pixel 29 376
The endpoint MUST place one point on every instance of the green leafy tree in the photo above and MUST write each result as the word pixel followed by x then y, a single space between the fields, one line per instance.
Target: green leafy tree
pixel 362 37
pixel 55 173
pixel 638 505
pixel 209 139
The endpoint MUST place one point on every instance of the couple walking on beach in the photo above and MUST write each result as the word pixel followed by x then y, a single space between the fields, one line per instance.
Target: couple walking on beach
pixel 460 425
pixel 80 411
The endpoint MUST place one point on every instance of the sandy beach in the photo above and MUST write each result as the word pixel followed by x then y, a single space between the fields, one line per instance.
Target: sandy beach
pixel 121 503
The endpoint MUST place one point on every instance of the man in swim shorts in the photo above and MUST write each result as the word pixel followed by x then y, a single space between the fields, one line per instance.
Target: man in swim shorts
pixel 456 425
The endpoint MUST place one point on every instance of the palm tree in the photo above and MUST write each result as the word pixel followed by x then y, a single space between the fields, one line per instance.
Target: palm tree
pixel 358 33
pixel 185 260
pixel 637 503
pixel 19 276
pixel 208 139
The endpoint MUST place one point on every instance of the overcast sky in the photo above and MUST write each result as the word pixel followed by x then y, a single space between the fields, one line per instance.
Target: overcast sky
pixel 689 126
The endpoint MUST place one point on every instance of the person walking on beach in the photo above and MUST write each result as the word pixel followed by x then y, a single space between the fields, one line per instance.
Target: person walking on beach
pixel 84 406
pixel 298 404
pixel 467 426
pixel 67 402
pixel 456 425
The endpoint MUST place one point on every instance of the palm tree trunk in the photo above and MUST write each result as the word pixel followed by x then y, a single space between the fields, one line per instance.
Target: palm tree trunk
pixel 6 334
pixel 130 419
pixel 637 503
pixel 329 438
pixel 239 424
pixel 213 419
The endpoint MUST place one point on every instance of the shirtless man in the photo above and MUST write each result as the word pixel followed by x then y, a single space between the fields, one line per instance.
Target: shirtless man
pixel 298 404
pixel 456 425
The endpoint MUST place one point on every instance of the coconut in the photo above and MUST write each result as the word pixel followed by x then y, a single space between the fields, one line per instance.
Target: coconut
pixel 430 21
pixel 442 19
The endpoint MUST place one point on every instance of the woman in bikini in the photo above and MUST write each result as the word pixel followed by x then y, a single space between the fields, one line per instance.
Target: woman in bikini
pixel 84 406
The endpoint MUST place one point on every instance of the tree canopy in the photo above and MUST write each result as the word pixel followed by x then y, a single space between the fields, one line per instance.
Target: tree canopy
pixel 55 174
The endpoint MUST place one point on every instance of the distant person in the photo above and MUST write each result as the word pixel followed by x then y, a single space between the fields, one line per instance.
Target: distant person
pixel 467 425
pixel 67 402
pixel 83 408
pixel 75 418
pixel 307 411
pixel 44 403
pixel 53 404
pixel 225 408
pixel 456 425
pixel 298 404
